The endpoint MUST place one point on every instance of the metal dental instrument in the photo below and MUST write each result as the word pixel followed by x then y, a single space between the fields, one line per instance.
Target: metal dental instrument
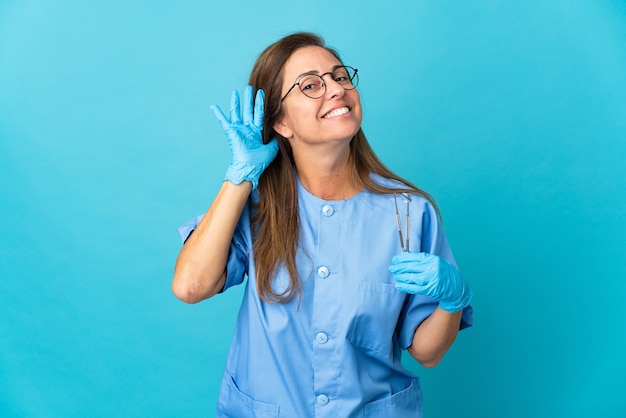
pixel 405 196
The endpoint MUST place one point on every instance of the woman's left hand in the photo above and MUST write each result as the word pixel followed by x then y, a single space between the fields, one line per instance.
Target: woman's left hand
pixel 432 276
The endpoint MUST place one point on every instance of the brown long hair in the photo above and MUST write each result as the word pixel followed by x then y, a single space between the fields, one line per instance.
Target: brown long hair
pixel 275 223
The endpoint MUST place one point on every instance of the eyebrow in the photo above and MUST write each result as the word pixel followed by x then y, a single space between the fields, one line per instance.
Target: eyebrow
pixel 315 72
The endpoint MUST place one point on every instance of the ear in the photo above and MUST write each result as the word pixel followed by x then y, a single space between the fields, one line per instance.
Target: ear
pixel 283 129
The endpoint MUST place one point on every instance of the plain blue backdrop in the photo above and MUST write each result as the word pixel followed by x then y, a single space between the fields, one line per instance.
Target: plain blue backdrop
pixel 512 114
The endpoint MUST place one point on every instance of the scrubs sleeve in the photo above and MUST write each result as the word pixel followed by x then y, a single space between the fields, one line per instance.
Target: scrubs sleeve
pixel 419 307
pixel 238 253
pixel 185 230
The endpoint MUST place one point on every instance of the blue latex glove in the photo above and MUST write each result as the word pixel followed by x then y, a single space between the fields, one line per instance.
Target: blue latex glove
pixel 250 155
pixel 432 276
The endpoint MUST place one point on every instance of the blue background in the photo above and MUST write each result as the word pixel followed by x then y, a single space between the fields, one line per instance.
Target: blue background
pixel 511 113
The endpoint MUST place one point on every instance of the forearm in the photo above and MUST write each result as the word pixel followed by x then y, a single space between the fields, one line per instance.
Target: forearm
pixel 434 336
pixel 200 270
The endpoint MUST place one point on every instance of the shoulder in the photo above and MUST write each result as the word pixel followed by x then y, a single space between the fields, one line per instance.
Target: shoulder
pixel 417 199
pixel 386 182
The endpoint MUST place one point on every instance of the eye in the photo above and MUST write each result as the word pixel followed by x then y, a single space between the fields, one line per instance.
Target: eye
pixel 341 76
pixel 311 83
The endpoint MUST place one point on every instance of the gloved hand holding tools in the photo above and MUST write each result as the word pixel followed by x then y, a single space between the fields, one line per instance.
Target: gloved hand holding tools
pixel 432 276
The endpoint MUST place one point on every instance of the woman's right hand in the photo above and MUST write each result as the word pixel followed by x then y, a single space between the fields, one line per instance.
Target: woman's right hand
pixel 250 156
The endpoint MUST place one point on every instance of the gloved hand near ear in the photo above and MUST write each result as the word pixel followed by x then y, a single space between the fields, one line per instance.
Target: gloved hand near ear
pixel 250 156
pixel 432 276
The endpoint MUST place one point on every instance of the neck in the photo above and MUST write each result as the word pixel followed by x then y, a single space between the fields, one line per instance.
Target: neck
pixel 327 175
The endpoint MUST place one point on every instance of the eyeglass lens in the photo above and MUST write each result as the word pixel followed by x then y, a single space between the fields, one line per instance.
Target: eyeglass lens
pixel 313 85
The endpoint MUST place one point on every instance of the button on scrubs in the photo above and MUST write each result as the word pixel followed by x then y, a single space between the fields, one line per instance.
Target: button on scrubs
pixel 337 352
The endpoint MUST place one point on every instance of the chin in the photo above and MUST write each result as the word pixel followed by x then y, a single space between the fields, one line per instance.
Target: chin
pixel 352 131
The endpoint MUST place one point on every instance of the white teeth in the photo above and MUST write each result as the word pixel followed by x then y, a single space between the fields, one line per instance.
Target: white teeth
pixel 337 112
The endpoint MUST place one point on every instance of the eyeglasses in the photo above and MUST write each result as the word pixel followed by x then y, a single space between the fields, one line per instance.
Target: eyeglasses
pixel 313 85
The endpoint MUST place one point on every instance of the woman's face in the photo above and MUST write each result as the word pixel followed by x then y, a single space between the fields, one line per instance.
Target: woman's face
pixel 336 116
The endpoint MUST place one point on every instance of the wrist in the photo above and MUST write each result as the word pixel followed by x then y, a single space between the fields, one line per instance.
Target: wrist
pixel 459 303
pixel 237 173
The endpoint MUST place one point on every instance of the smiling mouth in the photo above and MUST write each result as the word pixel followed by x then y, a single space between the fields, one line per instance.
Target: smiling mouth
pixel 336 112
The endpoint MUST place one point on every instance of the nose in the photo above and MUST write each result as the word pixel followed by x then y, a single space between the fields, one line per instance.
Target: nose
pixel 333 89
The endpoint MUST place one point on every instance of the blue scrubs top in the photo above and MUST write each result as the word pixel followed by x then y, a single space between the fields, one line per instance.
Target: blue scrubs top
pixel 337 353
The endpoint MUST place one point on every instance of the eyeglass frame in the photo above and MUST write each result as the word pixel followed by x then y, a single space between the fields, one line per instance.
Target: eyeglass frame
pixel 297 83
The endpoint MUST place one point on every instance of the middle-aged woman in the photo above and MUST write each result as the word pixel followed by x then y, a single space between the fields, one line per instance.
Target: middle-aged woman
pixel 347 263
